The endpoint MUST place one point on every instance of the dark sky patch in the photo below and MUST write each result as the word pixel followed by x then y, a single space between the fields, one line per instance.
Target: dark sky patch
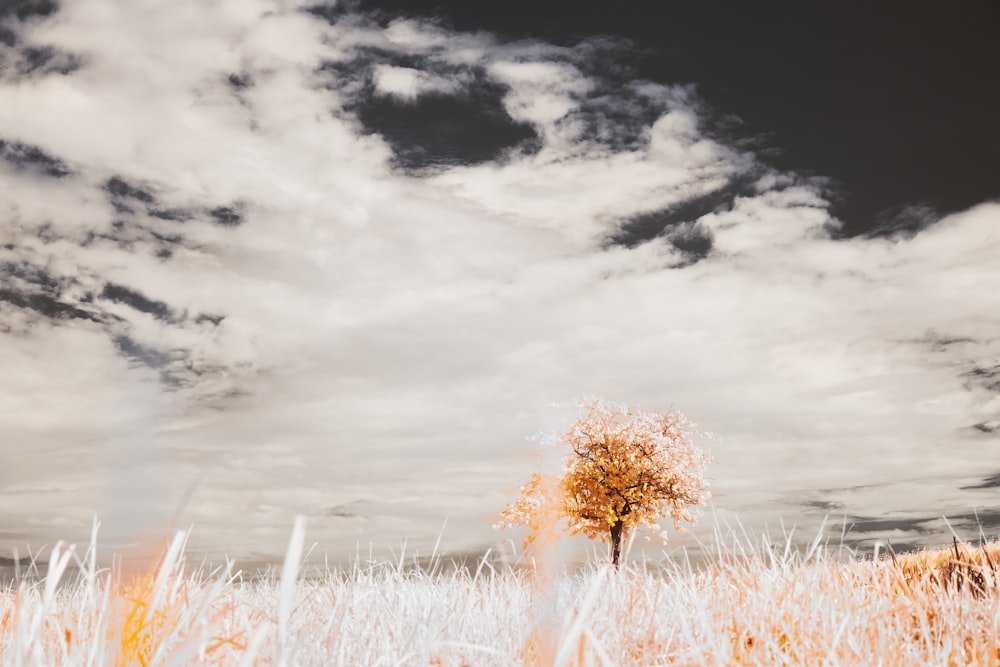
pixel 986 519
pixel 824 505
pixel 143 354
pixel 171 214
pixel 209 318
pixel 991 482
pixel 340 512
pixel 616 112
pixel 670 222
pixel 917 533
pixel 863 524
pixel 902 222
pixel 185 371
pixel 12 562
pixel 227 216
pixel 37 291
pixel 335 74
pixel 438 129
pixel 32 158
pixel 987 377
pixel 124 196
pixel 40 60
pixel 174 368
pixel 46 305
pixel 367 56
pixel 941 342
pixel 34 289
pixel 172 239
pixel 47 233
pixel 693 240
pixel 165 248
pixel 31 60
pixel 650 225
pixel 616 118
pixel 116 237
pixel 895 103
pixel 678 224
pixel 119 188
pixel 27 9
pixel 240 81
pixel 330 12
pixel 138 301
pixel 133 235
pixel 30 274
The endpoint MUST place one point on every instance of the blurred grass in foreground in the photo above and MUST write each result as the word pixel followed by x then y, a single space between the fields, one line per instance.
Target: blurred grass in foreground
pixel 750 604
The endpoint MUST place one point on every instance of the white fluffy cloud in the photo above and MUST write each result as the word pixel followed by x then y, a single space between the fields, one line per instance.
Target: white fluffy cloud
pixel 407 83
pixel 383 342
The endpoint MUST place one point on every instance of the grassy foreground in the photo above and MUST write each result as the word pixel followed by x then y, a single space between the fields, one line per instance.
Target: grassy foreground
pixel 762 606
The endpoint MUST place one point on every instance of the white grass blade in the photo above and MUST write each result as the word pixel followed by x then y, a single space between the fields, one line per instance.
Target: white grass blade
pixel 253 648
pixel 57 567
pixel 166 571
pixel 572 635
pixel 801 608
pixel 595 644
pixel 289 575
pixel 814 545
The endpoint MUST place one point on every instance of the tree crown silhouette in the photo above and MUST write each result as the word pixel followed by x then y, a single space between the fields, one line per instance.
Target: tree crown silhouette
pixel 622 468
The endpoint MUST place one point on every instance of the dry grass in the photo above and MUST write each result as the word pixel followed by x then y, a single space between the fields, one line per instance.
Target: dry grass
pixel 749 606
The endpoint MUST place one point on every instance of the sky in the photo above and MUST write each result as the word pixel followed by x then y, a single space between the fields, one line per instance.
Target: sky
pixel 276 258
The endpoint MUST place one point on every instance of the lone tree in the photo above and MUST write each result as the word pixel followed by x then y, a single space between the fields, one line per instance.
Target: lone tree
pixel 623 467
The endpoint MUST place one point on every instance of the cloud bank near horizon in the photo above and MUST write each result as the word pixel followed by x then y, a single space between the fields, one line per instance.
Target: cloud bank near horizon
pixel 291 259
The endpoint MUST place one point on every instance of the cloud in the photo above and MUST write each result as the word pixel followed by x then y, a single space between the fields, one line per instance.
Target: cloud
pixel 407 83
pixel 287 260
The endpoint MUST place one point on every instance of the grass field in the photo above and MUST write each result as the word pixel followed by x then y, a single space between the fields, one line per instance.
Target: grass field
pixel 750 604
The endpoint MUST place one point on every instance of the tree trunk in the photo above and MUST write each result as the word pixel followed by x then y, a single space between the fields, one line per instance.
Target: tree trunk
pixel 616 542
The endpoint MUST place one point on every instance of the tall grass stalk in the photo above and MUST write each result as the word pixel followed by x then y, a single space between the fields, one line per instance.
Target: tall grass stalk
pixel 750 603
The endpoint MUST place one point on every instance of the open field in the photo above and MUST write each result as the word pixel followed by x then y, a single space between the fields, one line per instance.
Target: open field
pixel 752 604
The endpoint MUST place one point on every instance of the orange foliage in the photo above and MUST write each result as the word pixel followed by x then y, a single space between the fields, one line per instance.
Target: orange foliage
pixel 152 609
pixel 623 468
pixel 143 625
pixel 960 569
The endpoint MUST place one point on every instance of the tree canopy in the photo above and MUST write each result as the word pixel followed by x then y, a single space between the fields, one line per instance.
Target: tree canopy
pixel 623 468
